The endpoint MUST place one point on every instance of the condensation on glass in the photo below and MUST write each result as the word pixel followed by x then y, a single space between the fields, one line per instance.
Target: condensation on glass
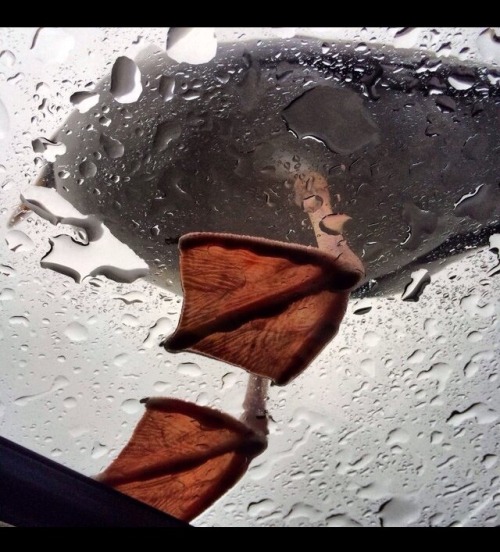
pixel 138 136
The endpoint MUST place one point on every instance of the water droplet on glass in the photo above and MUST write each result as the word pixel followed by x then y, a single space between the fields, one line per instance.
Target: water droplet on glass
pixel 419 280
pixel 126 84
pixel 399 512
pixel 48 149
pixel 4 121
pixel 478 205
pixel 407 37
pixel 261 508
pixel 191 44
pixel 369 366
pixel 334 116
pixel 98 451
pixel 52 45
pixel 7 58
pixel 166 87
pixel 19 321
pixel 84 101
pixel 341 520
pixel 131 406
pixel 112 147
pixel 132 297
pixel 446 104
pixel 69 402
pixel 489 460
pixel 191 95
pixel 474 337
pixel 7 294
pixel 130 320
pixel 76 332
pixel 121 359
pixel 162 328
pixel 488 44
pixel 371 339
pixel 284 32
pixel 189 369
pixel 478 412
pixel 87 169
pixel 166 132
pixel 461 82
pixel 397 436
pixel 160 386
pixel 362 307
pixel 420 223
pixel 440 372
pixel 312 203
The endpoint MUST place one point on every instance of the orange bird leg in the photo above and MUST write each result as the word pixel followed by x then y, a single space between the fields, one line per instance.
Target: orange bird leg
pixel 182 457
pixel 267 306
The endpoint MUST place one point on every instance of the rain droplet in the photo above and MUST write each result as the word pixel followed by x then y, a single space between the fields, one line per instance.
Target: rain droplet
pixel 470 304
pixel 369 366
pixel 19 321
pixel 398 512
pixel 132 297
pixel 7 270
pixel 126 84
pixel 98 451
pixel 7 294
pixel 52 45
pixel 87 169
pixel 120 360
pixel 489 460
pixel 446 104
pixel 416 357
pixel 4 121
pixel 76 332
pixel 431 327
pixel 419 280
pixel 284 32
pixel 436 437
pixel 69 402
pixel 472 367
pixel 421 223
pixel 84 101
pixel 334 116
pixel 488 44
pixel 160 386
pixel 397 436
pixel 131 406
pixel 166 88
pixel 112 148
pixel 7 58
pixel 162 327
pixel 478 412
pixel 130 320
pixel 191 44
pixel 474 337
pixel 461 82
pixel 478 205
pixel 407 37
pixel 189 369
pixel 312 203
pixel 191 95
pixel 362 307
pixel 371 339
pixel 341 520
pixel 49 149
pixel 439 371
pixel 166 132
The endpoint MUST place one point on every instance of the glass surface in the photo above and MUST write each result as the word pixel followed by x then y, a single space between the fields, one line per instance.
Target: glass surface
pixel 157 133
